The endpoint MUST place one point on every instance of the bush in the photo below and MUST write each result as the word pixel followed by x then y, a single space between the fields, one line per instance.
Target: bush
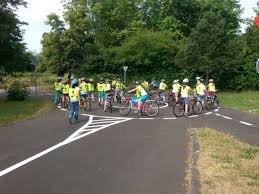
pixel 17 91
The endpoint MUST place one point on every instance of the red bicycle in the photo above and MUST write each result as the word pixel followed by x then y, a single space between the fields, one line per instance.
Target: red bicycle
pixel 149 107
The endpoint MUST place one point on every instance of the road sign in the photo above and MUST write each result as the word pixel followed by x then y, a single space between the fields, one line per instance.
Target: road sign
pixel 257 66
pixel 125 68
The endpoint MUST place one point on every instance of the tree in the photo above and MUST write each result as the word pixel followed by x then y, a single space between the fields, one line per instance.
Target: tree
pixel 12 48
pixel 52 55
pixel 207 49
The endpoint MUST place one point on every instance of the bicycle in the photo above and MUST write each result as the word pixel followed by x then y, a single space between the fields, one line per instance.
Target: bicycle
pixel 171 100
pixel 194 104
pixel 211 101
pixel 85 103
pixel 149 107
pixel 157 96
pixel 65 101
pixel 109 105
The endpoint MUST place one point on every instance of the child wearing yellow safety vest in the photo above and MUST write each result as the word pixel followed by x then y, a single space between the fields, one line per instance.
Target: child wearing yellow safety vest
pixel 65 91
pixel 141 95
pixel 90 85
pixel 74 97
pixel 83 88
pixel 108 89
pixel 211 87
pixel 185 92
pixel 176 89
pixel 101 91
pixel 200 90
pixel 162 88
pixel 118 89
pixel 58 92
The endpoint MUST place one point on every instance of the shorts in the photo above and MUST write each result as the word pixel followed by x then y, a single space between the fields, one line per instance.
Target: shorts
pixel 83 95
pixel 143 98
pixel 186 100
pixel 101 95
pixel 201 97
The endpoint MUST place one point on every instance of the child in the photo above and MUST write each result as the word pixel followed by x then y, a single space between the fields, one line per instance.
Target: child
pixel 101 93
pixel 74 97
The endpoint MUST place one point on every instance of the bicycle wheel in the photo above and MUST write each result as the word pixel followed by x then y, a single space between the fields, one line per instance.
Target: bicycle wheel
pixel 125 108
pixel 110 106
pixel 197 107
pixel 151 109
pixel 208 104
pixel 215 102
pixel 178 109
pixel 86 105
pixel 171 101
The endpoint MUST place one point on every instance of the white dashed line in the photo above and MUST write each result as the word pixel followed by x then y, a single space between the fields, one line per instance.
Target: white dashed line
pixel 208 113
pixel 146 118
pixel 216 110
pixel 193 116
pixel 245 123
pixel 173 118
pixel 229 118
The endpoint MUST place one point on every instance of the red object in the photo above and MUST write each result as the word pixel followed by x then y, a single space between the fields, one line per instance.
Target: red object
pixel 257 21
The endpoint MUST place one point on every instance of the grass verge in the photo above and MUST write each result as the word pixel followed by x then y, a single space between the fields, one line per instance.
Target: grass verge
pixel 227 165
pixel 12 111
pixel 248 100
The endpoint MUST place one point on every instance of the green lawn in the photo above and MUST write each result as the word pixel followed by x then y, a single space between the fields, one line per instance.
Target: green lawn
pixel 12 111
pixel 226 165
pixel 248 100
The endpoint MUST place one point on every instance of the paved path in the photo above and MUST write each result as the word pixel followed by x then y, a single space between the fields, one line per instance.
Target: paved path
pixel 107 153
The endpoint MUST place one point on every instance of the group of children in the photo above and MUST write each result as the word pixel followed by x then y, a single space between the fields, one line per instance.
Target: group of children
pixel 72 89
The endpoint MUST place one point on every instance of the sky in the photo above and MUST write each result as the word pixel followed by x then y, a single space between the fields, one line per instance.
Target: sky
pixel 37 10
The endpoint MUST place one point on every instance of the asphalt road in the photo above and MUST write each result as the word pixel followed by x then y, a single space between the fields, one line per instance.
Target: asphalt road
pixel 105 153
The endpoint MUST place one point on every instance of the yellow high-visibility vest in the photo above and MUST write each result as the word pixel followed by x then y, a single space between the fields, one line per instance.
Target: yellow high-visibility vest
pixel 185 91
pixel 66 89
pixel 73 94
pixel 90 87
pixel 101 87
pixel 200 89
pixel 107 87
pixel 211 87
pixel 84 87
pixel 119 86
pixel 162 86
pixel 58 86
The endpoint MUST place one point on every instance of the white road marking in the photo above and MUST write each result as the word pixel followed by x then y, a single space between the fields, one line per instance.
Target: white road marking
pixel 80 133
pixel 216 110
pixel 208 113
pixel 146 118
pixel 225 117
pixel 173 118
pixel 63 109
pixel 245 123
pixel 165 106
pixel 193 116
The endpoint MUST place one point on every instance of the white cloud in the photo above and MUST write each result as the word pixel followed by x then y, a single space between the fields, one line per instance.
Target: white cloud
pixel 37 10
pixel 35 15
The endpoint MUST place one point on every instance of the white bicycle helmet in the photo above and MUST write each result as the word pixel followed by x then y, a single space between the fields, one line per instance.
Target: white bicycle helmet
pixel 186 80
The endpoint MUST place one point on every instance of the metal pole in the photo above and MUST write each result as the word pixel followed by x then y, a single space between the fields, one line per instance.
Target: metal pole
pixel 36 81
pixel 125 78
